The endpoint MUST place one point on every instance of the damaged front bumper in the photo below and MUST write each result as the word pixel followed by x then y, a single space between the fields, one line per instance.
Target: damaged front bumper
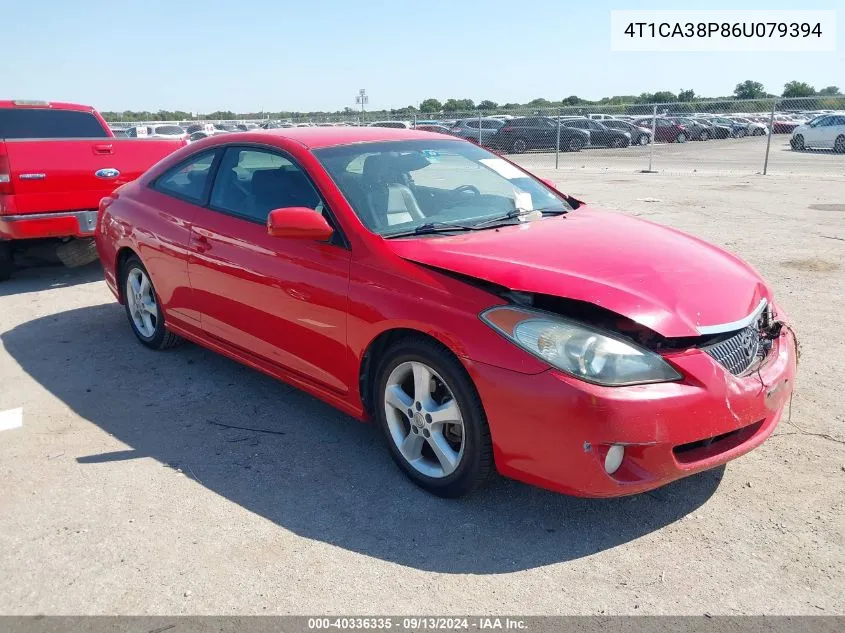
pixel 555 431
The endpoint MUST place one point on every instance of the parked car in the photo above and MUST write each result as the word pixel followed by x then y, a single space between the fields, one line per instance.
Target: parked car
pixel 784 125
pixel 525 133
pixel 738 130
pixel 120 132
pixel 477 130
pixel 639 135
pixel 696 130
pixel 56 161
pixel 719 131
pixel 600 136
pixel 440 129
pixel 666 130
pixel 458 302
pixel 157 131
pixel 394 124
pixel 600 117
pixel 752 128
pixel 824 132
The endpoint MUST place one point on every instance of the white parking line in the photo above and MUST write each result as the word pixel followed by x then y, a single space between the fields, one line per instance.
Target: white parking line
pixel 11 419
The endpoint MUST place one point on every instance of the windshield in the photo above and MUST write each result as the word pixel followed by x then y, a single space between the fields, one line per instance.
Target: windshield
pixel 396 187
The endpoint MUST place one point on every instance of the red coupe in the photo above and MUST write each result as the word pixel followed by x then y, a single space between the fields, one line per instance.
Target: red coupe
pixel 484 320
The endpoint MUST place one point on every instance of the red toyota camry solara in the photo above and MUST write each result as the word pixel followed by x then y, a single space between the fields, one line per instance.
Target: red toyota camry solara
pixel 483 319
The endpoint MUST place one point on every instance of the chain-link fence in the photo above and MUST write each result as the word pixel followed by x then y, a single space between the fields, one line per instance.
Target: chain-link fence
pixel 775 135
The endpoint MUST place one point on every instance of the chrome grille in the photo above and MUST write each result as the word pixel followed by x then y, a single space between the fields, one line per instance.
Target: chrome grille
pixel 738 353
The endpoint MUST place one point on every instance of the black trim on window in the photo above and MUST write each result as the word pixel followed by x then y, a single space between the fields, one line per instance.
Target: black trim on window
pixel 338 238
pixel 212 174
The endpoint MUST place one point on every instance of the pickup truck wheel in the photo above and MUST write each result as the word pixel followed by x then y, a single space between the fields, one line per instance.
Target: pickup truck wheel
pixel 146 316
pixel 77 252
pixel 6 262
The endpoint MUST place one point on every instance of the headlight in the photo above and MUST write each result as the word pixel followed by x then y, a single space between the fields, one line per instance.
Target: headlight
pixel 580 350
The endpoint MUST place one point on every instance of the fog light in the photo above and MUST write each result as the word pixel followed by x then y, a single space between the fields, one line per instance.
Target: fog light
pixel 613 459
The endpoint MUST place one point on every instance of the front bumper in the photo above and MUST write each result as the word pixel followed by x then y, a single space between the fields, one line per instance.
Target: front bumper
pixel 37 225
pixel 554 431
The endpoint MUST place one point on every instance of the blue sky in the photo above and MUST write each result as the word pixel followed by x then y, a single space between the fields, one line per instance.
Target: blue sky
pixel 274 55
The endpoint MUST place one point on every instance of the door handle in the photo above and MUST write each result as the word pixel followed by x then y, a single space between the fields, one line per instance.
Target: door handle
pixel 104 149
pixel 201 244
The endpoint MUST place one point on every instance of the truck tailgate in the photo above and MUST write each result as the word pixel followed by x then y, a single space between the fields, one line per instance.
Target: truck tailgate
pixel 73 174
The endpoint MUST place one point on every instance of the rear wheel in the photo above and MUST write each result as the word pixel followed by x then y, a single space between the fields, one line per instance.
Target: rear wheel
pixel 839 144
pixel 797 142
pixel 618 142
pixel 576 144
pixel 739 133
pixel 146 317
pixel 681 138
pixel 642 139
pixel 704 135
pixel 519 146
pixel 6 261
pixel 432 418
pixel 758 131
pixel 77 252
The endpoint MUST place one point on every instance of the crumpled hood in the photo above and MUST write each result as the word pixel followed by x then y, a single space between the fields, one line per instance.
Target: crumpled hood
pixel 659 277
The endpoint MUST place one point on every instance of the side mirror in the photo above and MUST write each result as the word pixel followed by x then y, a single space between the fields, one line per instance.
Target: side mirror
pixel 549 183
pixel 298 223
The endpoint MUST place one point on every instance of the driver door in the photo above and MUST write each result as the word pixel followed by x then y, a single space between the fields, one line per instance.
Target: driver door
pixel 279 300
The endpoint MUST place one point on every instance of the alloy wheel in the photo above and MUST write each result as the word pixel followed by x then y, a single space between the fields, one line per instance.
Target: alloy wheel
pixel 424 419
pixel 839 145
pixel 141 301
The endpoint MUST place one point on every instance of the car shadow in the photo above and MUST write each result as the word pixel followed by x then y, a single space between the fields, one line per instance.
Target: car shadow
pixel 310 469
pixel 46 277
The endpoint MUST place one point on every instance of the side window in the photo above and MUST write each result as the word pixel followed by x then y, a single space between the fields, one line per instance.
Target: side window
pixel 187 180
pixel 473 123
pixel 490 125
pixel 252 182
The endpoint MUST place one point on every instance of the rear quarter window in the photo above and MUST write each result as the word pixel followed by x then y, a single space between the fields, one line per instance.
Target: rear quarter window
pixel 26 123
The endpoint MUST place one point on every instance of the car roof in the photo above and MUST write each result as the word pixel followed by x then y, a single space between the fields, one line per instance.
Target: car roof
pixel 44 105
pixel 317 137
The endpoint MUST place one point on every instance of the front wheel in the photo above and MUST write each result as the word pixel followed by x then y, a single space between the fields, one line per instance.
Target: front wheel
pixel 642 139
pixel 739 133
pixel 681 138
pixel 839 144
pixel 618 142
pixel 576 144
pixel 797 142
pixel 432 418
pixel 146 316
pixel 704 135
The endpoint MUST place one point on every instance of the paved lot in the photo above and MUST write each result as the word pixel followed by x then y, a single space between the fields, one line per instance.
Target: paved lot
pixel 725 156
pixel 125 492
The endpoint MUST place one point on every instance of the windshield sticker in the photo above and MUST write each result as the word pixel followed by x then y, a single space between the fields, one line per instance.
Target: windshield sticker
pixel 503 168
pixel 522 200
pixel 431 155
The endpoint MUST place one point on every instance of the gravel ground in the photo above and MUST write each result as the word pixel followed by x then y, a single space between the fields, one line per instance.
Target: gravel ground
pixel 125 492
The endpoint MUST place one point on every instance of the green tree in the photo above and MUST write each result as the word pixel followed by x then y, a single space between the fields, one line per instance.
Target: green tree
pixel 686 95
pixel 487 105
pixel 798 89
pixel 458 105
pixel 431 105
pixel 749 90
pixel 539 103
pixel 572 100
pixel 830 91
pixel 664 96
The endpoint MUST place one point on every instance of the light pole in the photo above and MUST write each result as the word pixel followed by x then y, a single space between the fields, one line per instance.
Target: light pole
pixel 362 99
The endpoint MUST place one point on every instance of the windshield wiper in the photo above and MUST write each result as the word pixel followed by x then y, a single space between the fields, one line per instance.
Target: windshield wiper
pixel 433 227
pixel 516 214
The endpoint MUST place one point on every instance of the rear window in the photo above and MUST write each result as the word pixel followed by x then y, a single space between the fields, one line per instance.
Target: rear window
pixel 16 123
pixel 169 130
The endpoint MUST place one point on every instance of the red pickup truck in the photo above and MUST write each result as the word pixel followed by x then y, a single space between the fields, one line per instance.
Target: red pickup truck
pixel 57 160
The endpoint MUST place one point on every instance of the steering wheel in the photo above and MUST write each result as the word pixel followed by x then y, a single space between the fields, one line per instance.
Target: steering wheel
pixel 471 188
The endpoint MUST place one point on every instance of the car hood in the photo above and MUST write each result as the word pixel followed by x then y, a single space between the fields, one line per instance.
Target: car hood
pixel 668 281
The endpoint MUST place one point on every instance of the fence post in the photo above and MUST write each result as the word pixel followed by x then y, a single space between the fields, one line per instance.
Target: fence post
pixel 479 128
pixel 653 139
pixel 769 138
pixel 557 145
pixel 415 120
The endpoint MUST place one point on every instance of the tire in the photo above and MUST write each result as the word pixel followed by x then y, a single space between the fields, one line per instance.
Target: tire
pixel 618 142
pixel 7 264
pixel 152 331
pixel 739 133
pixel 681 138
pixel 465 446
pixel 519 146
pixel 642 139
pixel 575 144
pixel 839 144
pixel 797 142
pixel 704 136
pixel 758 132
pixel 77 252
